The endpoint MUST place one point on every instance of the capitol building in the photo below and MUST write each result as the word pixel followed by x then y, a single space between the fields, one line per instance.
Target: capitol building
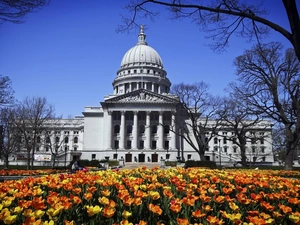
pixel 133 123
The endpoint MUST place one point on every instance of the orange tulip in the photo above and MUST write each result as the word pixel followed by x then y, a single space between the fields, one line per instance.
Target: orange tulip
pixel 155 209
pixel 198 214
pixel 182 221
pixel 108 212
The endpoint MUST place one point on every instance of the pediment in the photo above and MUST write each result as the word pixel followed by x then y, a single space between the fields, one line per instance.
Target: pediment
pixel 142 96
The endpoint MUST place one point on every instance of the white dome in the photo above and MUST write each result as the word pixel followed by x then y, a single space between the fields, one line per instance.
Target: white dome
pixel 141 54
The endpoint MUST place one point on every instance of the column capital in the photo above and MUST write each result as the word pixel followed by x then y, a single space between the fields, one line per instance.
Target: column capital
pixel 135 112
pixel 122 112
pixel 109 112
pixel 148 113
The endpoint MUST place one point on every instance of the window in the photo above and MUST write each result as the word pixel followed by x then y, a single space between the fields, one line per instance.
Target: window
pixel 142 129
pixel 166 129
pixel 141 145
pixel 57 139
pixel 67 132
pixel 117 129
pixel 93 156
pixel 189 156
pixel 154 129
pixel 206 140
pixel 117 116
pixel 262 149
pixel 129 129
pixel 76 132
pixel 128 144
pixel 57 132
pixel 47 149
pixel 47 139
pixel 154 116
pixel 234 149
pixel 37 149
pixel 215 140
pixel 263 159
pixel 262 141
pixel 66 140
pixel 75 140
pixel 38 139
pixel 116 144
pixel 225 148
pixel 129 116
pixel 234 140
pixel 66 148
pixel 166 145
pixel 215 148
pixel 153 145
pixel 253 141
pixel 253 149
pixel 224 140
pixel 75 148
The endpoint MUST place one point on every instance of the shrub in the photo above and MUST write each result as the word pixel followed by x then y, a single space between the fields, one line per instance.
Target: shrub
pixel 208 164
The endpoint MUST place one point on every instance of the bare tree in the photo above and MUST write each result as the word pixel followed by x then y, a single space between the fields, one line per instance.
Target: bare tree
pixel 220 19
pixel 10 137
pixel 15 11
pixel 31 114
pixel 270 84
pixel 6 91
pixel 55 136
pixel 197 115
pixel 235 117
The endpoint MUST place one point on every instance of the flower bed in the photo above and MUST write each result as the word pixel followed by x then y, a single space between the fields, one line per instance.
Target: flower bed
pixel 156 196
pixel 15 172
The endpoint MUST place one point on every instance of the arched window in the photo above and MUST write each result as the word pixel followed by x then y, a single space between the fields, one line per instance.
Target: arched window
pixel 142 129
pixel 66 140
pixel 117 129
pixel 129 129
pixel 75 139
pixel 47 139
pixel 56 139
pixel 154 129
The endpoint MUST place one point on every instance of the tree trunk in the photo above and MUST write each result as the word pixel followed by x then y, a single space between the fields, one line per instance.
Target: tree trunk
pixel 6 162
pixel 243 155
pixel 289 160
pixel 28 158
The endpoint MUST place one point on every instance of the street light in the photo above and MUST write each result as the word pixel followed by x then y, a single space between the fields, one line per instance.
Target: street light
pixel 220 152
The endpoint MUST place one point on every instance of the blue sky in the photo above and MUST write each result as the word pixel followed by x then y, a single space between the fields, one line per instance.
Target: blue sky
pixel 69 52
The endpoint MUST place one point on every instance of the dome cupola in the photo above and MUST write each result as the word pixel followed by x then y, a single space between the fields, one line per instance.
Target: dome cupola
pixel 141 67
pixel 141 54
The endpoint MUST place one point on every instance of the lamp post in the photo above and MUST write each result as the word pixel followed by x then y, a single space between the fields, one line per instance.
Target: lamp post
pixel 220 152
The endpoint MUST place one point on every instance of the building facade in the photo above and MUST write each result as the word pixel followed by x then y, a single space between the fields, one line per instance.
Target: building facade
pixel 133 124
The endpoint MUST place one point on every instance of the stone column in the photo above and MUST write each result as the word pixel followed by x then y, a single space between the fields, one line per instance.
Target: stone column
pixel 122 131
pixel 152 87
pixel 130 87
pixel 160 131
pixel 135 130
pixel 148 131
pixel 159 89
pixel 109 130
pixel 173 135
